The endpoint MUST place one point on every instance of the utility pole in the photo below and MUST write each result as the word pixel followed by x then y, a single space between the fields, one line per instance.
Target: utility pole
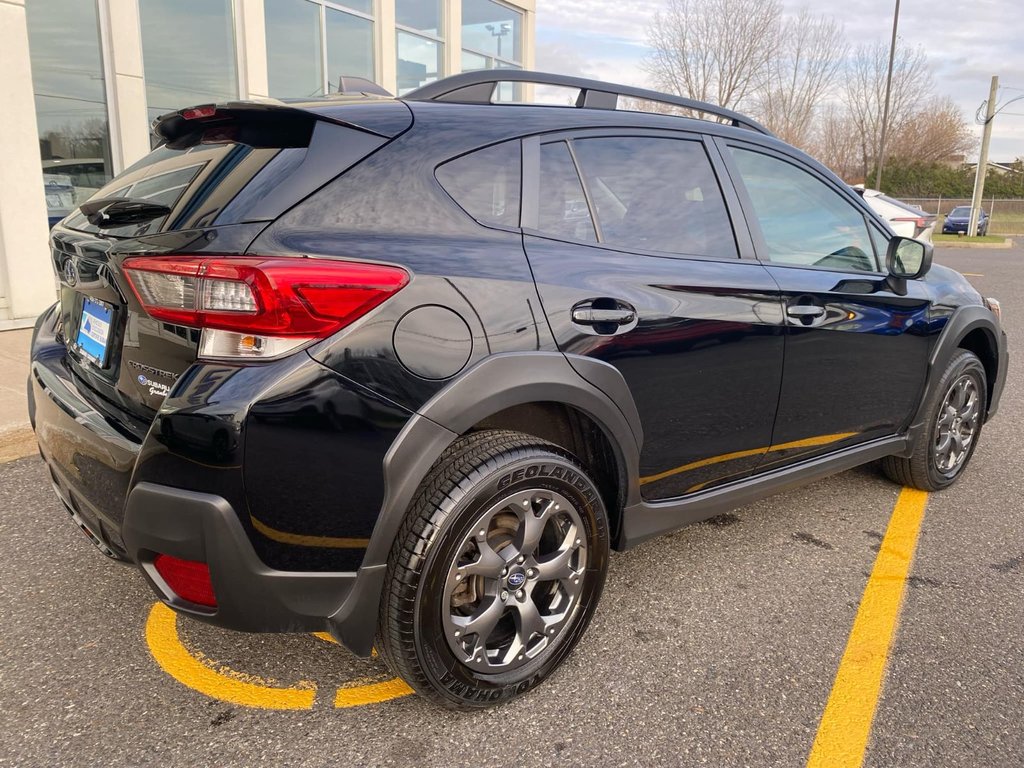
pixel 979 176
pixel 885 108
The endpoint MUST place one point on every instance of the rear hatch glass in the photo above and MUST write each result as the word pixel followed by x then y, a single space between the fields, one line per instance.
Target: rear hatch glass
pixel 222 183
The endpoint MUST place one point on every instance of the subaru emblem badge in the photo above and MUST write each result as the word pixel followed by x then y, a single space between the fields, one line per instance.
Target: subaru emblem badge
pixel 70 273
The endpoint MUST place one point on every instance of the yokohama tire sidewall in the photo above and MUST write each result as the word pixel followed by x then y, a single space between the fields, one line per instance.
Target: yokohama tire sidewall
pixel 463 685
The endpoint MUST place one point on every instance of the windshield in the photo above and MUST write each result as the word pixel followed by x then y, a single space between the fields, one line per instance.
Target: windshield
pixel 960 211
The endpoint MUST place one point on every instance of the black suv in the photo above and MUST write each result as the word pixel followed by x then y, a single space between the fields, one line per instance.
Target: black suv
pixel 405 370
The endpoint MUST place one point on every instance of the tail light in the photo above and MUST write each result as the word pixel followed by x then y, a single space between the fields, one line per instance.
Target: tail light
pixel 188 579
pixel 919 221
pixel 258 307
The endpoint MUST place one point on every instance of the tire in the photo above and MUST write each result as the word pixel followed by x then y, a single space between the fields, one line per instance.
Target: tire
pixel 955 415
pixel 444 579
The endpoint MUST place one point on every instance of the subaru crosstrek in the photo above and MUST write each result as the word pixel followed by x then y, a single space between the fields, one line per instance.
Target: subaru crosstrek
pixel 406 370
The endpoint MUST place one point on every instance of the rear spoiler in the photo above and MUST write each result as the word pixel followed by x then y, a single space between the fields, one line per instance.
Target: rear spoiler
pixel 279 123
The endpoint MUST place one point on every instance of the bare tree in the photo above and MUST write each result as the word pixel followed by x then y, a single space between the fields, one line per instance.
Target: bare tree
pixel 713 50
pixel 865 93
pixel 837 143
pixel 800 76
pixel 935 131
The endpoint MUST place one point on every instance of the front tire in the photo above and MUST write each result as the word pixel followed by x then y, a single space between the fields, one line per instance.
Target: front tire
pixel 496 571
pixel 956 411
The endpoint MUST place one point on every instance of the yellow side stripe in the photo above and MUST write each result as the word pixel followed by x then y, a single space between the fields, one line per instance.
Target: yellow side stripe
pixel 807 442
pixel 846 723
pixel 303 540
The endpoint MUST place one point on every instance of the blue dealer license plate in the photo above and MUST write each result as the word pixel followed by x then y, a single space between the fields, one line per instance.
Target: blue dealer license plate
pixel 94 331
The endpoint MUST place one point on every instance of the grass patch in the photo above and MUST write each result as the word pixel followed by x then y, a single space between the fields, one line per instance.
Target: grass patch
pixel 958 239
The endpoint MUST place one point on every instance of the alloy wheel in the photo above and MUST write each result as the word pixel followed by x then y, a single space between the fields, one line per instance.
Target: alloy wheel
pixel 515 581
pixel 957 424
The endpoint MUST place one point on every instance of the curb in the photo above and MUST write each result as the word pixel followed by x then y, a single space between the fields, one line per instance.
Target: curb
pixel 17 442
pixel 1007 243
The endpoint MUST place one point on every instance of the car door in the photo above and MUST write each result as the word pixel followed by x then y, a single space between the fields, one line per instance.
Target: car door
pixel 639 264
pixel 856 349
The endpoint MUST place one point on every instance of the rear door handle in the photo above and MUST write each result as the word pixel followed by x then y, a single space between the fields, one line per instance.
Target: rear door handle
pixel 583 315
pixel 604 316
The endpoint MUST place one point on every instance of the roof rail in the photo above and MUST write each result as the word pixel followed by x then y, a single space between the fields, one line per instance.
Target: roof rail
pixel 479 88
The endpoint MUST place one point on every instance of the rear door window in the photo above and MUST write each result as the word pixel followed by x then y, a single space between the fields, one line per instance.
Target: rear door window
pixel 656 194
pixel 562 209
pixel 486 183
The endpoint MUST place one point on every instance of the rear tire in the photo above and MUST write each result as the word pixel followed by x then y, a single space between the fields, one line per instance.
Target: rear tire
pixel 496 571
pixel 955 413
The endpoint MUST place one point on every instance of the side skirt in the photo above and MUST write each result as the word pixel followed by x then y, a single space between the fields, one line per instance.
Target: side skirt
pixel 644 521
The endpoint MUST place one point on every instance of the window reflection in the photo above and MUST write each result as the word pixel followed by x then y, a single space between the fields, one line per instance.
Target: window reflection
pixel 294 64
pixel 419 15
pixel 70 100
pixel 188 50
pixel 349 47
pixel 419 61
pixel 492 29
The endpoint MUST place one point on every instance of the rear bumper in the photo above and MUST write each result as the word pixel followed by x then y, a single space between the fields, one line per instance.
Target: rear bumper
pixel 95 470
pixel 250 596
pixel 89 461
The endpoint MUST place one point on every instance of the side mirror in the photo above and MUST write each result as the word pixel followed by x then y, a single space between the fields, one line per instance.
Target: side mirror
pixel 908 259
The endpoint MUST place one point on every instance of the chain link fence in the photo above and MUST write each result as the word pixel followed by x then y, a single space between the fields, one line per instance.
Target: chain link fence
pixel 1006 216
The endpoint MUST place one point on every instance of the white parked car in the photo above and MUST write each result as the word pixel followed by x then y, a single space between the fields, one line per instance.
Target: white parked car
pixel 905 219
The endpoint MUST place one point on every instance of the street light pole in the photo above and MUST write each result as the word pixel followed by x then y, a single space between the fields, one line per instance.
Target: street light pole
pixel 979 175
pixel 888 91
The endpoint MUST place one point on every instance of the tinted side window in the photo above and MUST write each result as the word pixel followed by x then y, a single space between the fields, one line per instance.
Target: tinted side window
pixel 562 206
pixel 805 222
pixel 656 194
pixel 486 183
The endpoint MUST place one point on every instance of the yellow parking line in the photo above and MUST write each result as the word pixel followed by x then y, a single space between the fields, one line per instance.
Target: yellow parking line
pixel 194 670
pixel 223 683
pixel 360 694
pixel 846 724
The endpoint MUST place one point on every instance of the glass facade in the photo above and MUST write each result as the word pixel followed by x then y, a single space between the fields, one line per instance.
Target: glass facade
pixel 349 47
pixel 188 52
pixel 493 32
pixel 419 43
pixel 310 45
pixel 71 102
pixel 295 67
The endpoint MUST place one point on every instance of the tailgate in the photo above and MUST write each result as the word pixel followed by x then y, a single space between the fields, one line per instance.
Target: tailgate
pixel 223 175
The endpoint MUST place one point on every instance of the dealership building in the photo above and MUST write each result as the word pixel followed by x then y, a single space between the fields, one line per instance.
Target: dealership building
pixel 83 80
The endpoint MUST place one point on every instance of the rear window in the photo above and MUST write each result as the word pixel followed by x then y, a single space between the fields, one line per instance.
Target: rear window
pixel 220 180
pixel 486 183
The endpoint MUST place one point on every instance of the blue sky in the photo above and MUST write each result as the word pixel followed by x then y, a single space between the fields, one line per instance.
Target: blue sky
pixel 606 39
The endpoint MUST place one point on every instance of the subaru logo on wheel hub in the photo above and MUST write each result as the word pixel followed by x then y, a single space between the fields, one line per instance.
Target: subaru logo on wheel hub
pixel 516 579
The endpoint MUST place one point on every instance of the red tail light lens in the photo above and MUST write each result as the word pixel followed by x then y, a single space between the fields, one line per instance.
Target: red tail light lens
pixel 290 297
pixel 920 223
pixel 189 579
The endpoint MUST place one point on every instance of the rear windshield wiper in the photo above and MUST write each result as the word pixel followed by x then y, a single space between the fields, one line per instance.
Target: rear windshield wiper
pixel 120 211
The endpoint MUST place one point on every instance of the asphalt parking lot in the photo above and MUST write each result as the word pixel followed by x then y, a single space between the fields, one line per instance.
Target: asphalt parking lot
pixel 716 645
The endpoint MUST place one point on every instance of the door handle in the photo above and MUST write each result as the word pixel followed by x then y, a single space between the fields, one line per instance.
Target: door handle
pixel 604 316
pixel 805 311
pixel 582 315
